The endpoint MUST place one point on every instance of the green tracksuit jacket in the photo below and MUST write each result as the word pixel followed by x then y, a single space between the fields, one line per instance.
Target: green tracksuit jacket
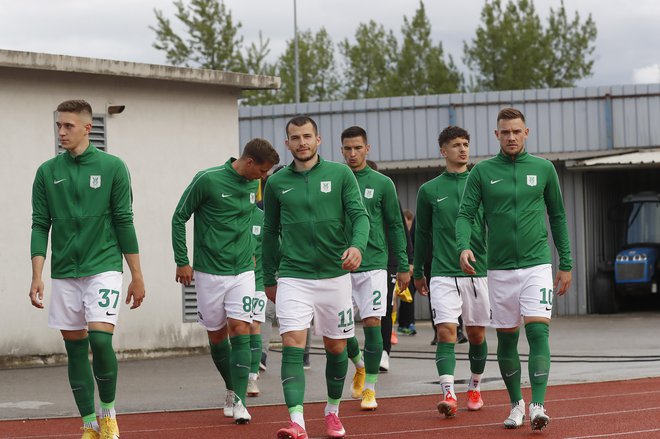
pixel 306 209
pixel 87 202
pixel 222 201
pixel 515 195
pixel 435 225
pixel 386 225
pixel 257 234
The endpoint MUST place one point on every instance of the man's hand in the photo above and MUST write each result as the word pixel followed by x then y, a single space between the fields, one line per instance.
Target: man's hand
pixel 563 280
pixel 184 274
pixel 466 257
pixel 421 286
pixel 37 293
pixel 352 259
pixel 403 279
pixel 271 292
pixel 136 292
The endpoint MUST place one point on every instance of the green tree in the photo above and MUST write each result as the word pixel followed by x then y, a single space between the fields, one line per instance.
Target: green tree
pixel 421 68
pixel 319 80
pixel 212 36
pixel 512 50
pixel 369 61
pixel 255 63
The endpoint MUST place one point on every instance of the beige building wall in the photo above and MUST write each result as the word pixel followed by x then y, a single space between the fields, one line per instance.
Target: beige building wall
pixel 168 131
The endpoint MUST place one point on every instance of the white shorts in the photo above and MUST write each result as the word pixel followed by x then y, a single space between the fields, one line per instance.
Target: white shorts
pixel 370 293
pixel 221 297
pixel 452 297
pixel 328 301
pixel 259 306
pixel 524 292
pixel 75 302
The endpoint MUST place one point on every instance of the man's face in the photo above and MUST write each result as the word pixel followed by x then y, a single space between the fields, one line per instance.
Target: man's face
pixel 355 151
pixel 303 142
pixel 72 129
pixel 512 134
pixel 456 151
pixel 254 170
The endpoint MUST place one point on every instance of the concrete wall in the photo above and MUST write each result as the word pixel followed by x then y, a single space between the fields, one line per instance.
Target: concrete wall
pixel 168 131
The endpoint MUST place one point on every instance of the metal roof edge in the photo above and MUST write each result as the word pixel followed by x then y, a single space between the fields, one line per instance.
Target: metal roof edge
pixel 96 66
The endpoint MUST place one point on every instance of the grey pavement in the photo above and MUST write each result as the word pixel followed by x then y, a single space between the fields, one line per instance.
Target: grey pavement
pixel 585 349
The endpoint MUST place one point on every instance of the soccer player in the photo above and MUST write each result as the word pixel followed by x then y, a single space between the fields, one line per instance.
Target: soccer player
pixel 85 195
pixel 305 243
pixel 370 280
pixel 223 200
pixel 516 189
pixel 452 292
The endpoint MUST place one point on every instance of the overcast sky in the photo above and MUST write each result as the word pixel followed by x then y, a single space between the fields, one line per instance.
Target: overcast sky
pixel 627 49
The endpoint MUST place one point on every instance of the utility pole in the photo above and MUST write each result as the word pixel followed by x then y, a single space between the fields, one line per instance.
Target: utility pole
pixel 295 52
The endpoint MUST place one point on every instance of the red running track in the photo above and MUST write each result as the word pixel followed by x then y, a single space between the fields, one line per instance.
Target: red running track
pixel 617 409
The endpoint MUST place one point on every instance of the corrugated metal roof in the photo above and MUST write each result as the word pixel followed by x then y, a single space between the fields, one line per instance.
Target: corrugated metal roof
pixel 572 157
pixel 648 158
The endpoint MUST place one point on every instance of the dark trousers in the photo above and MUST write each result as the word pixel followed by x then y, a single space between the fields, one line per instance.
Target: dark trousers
pixel 386 322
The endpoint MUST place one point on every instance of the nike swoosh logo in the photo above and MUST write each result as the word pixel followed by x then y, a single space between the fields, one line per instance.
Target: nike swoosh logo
pixel 242 366
pixel 509 375
pixel 377 309
pixel 478 358
pixel 442 199
pixel 339 379
pixel 495 181
pixel 440 359
pixel 108 313
pixel 287 379
pixel 226 195
pixel 368 351
pixel 548 309
pixel 101 379
pixel 347 330
pixel 536 374
pixel 287 190
pixel 58 181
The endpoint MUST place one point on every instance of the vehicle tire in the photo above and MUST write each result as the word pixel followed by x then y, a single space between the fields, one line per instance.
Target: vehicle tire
pixel 604 295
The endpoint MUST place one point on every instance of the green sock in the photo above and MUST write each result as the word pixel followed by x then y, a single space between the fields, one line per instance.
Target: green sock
pixel 509 362
pixel 255 352
pixel 240 362
pixel 373 351
pixel 353 349
pixel 538 335
pixel 293 377
pixel 104 363
pixel 445 358
pixel 478 354
pixel 221 354
pixel 80 376
pixel 336 367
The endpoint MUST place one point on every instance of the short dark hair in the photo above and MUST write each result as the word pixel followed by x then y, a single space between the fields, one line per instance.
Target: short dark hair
pixel 509 114
pixel 451 133
pixel 373 165
pixel 261 151
pixel 75 106
pixel 300 121
pixel 354 131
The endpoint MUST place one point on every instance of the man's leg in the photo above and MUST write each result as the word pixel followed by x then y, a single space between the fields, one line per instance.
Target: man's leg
pixel 538 333
pixel 239 338
pixel 445 362
pixel 336 368
pixel 478 355
pixel 255 358
pixel 373 350
pixel 293 374
pixel 81 378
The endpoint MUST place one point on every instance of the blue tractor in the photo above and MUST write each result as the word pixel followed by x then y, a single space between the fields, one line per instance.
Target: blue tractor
pixel 636 269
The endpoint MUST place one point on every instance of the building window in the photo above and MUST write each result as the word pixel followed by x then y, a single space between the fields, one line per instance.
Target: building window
pixel 189 302
pixel 96 136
